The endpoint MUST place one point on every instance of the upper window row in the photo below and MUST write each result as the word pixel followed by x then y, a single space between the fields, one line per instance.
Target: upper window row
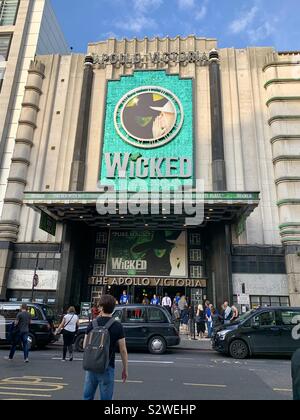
pixel 8 12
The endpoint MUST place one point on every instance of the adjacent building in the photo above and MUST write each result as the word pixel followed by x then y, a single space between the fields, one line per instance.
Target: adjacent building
pixel 150 112
pixel 27 28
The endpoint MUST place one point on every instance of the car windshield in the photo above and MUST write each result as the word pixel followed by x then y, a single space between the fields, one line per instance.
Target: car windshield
pixel 244 316
pixel 49 312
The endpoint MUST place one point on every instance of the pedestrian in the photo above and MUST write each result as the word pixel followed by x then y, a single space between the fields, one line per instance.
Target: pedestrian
pixel 68 328
pixel 124 299
pixel 105 381
pixel 21 333
pixel 191 321
pixel 200 322
pixel 177 299
pixel 184 314
pixel 296 375
pixel 235 314
pixel 95 311
pixel 155 301
pixel 227 313
pixel 167 303
pixel 216 319
pixel 176 316
pixel 208 318
pixel 145 300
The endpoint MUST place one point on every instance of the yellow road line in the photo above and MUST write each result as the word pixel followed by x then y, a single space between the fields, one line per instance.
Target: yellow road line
pixel 30 389
pixel 41 384
pixel 206 385
pixel 26 395
pixel 282 390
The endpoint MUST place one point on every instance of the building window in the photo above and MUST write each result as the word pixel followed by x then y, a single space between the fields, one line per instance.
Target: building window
pixel 195 255
pixel 102 238
pixel 195 239
pixel 8 12
pixel 267 301
pixel 4 47
pixel 99 270
pixel 100 254
pixel 197 272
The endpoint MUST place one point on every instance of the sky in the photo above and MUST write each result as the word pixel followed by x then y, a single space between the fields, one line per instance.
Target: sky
pixel 235 23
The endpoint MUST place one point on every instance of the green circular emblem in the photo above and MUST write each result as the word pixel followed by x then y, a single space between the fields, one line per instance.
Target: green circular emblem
pixel 148 117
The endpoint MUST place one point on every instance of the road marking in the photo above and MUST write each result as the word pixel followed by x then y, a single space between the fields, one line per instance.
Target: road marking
pixel 129 382
pixel 26 395
pixel 31 386
pixel 282 390
pixel 130 361
pixel 44 377
pixel 206 385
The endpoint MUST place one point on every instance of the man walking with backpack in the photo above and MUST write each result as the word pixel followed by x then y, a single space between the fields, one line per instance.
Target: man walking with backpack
pixel 101 339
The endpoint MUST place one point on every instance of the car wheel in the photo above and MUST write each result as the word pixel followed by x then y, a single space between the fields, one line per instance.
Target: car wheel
pixel 157 345
pixel 239 350
pixel 79 343
pixel 31 342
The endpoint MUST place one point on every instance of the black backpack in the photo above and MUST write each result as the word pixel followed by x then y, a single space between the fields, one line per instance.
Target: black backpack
pixel 96 354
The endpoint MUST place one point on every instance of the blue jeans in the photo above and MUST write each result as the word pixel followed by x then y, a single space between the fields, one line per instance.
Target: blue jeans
pixel 23 337
pixel 209 328
pixel 105 381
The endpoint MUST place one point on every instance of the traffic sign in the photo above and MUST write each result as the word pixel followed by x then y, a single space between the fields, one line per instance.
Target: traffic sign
pixel 243 299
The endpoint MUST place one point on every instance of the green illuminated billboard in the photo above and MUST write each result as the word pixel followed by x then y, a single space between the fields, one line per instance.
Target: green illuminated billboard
pixel 149 128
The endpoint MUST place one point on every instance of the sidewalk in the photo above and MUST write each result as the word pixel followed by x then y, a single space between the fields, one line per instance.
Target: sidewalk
pixel 188 344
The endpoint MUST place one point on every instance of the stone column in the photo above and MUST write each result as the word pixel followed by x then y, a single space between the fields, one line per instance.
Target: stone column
pixel 217 140
pixel 79 157
pixel 10 220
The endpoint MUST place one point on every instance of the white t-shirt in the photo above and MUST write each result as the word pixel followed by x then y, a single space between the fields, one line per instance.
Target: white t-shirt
pixel 71 320
pixel 166 302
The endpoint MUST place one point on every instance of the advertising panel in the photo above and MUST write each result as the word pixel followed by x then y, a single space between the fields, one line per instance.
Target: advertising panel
pixel 147 253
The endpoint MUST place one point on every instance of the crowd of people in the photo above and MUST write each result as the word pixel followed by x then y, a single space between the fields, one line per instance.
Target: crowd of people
pixel 202 320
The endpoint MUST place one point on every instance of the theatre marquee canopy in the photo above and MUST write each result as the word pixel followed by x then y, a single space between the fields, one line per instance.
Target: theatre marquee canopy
pixel 227 207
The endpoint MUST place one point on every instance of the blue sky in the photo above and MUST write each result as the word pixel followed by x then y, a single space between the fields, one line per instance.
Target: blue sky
pixel 235 23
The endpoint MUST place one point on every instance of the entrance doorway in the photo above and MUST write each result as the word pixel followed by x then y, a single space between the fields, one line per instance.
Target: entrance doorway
pixel 140 293
pixel 174 291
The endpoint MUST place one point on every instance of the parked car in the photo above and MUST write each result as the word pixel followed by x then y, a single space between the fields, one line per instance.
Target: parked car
pixel 41 327
pixel 260 331
pixel 146 327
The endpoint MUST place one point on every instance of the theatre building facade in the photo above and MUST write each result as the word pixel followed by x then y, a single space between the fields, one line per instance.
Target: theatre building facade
pixel 156 166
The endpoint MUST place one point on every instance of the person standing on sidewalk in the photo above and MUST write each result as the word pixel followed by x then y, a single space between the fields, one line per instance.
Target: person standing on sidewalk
pixel 167 303
pixel 22 324
pixel 68 328
pixel 208 318
pixel 227 314
pixel 105 381
pixel 200 322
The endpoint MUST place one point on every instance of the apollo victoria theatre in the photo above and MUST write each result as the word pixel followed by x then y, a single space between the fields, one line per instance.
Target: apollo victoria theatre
pixel 148 166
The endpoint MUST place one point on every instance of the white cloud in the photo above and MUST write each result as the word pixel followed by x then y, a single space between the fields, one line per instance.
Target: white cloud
pixel 186 4
pixel 202 12
pixel 261 32
pixel 146 6
pixel 244 21
pixel 136 24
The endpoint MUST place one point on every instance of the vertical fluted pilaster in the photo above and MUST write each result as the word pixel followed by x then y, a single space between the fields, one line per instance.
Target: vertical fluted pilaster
pixel 217 138
pixel 80 149
pixel 9 224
